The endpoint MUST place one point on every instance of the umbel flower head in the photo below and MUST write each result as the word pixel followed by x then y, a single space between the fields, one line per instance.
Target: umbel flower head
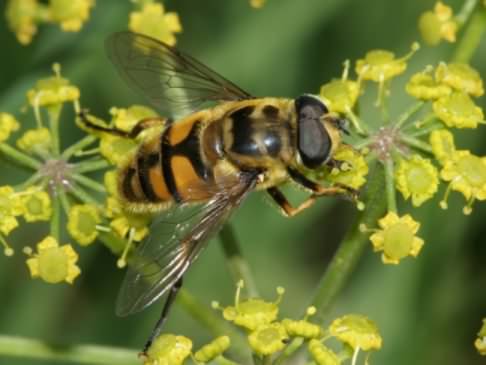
pixel 438 24
pixel 480 342
pixel 168 349
pixel 396 238
pixel 153 21
pixel 253 312
pixel 357 331
pixel 53 263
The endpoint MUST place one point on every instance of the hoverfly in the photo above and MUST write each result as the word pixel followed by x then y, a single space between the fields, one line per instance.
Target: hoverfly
pixel 200 168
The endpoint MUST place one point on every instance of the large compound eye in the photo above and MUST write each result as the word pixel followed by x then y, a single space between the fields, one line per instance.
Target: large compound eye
pixel 313 141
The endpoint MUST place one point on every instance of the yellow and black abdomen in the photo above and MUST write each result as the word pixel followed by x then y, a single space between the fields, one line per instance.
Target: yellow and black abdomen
pixel 167 169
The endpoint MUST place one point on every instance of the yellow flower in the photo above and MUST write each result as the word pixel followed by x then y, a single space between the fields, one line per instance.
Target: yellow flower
pixel 116 149
pixel 461 77
pixel 253 312
pixel 21 19
pixel 126 119
pixel 10 207
pixel 322 354
pixel 257 4
pixel 154 22
pixel 480 342
pixel 340 95
pixel 356 331
pixel 52 263
pixel 458 110
pixel 70 14
pixel 110 181
pixel 52 90
pixel 467 175
pixel 82 222
pixel 423 86
pixel 353 169
pixel 36 205
pixel 123 221
pixel 8 124
pixel 168 349
pixel 268 339
pixel 35 141
pixel 380 65
pixel 417 178
pixel 302 328
pixel 438 25
pixel 213 349
pixel 443 147
pixel 396 238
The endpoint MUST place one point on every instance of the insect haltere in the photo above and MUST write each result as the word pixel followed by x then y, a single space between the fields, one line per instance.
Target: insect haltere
pixel 200 168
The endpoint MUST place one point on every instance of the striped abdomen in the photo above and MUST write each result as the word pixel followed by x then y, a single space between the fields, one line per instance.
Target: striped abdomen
pixel 168 168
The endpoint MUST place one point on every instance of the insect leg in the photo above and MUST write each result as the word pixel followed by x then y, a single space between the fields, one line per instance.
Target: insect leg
pixel 319 190
pixel 287 209
pixel 136 130
pixel 164 315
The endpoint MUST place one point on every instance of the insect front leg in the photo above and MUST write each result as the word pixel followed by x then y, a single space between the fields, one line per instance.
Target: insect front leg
pixel 319 190
pixel 287 209
pixel 136 130
pixel 163 316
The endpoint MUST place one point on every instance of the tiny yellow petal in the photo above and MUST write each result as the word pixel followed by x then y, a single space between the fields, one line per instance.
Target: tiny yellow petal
pixel 417 178
pixel 458 110
pixel 356 331
pixel 154 22
pixel 8 124
pixel 168 349
pixel 396 238
pixel 268 339
pixel 70 14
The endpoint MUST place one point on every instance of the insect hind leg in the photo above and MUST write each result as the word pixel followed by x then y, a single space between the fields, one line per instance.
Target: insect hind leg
pixel 163 316
pixel 141 125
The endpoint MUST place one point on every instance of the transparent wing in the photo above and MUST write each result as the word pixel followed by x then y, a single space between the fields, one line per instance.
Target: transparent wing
pixel 174 82
pixel 175 241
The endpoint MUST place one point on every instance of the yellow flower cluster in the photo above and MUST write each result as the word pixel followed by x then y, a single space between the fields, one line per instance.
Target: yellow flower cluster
pixel 152 20
pixel 438 24
pixel 23 16
pixel 267 336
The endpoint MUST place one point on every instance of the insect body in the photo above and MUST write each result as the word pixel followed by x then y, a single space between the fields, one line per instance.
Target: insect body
pixel 199 168
pixel 193 158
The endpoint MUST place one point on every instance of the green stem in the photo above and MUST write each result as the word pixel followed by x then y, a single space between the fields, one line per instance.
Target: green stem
pixel 20 157
pixel 416 143
pixel 113 242
pixel 408 114
pixel 289 350
pixel 390 185
pixel 89 183
pixel 78 146
pixel 18 347
pixel 64 202
pixel 221 360
pixel 54 112
pixel 351 249
pixel 56 217
pixel 213 322
pixel 32 180
pixel 82 195
pixel 466 11
pixel 90 166
pixel 471 37
pixel 427 130
pixel 238 266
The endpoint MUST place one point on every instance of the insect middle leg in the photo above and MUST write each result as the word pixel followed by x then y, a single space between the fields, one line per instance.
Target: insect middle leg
pixel 136 130
pixel 317 191
pixel 163 316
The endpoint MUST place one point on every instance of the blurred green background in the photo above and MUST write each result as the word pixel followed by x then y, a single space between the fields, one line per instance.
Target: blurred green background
pixel 428 309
